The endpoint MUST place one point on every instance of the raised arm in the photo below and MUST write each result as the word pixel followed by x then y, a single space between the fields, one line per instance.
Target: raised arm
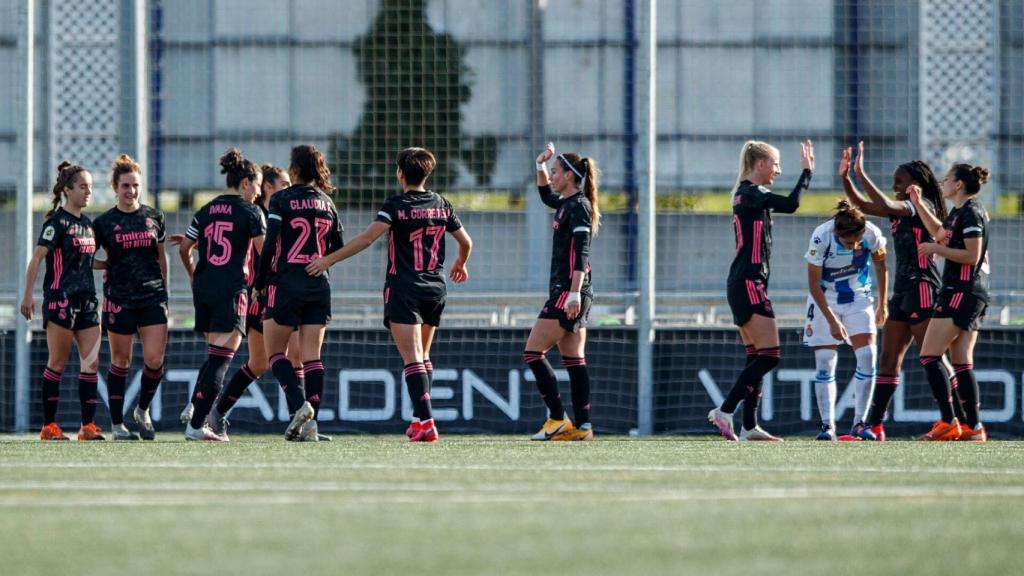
pixel 930 220
pixel 790 204
pixel 863 204
pixel 878 198
pixel 547 196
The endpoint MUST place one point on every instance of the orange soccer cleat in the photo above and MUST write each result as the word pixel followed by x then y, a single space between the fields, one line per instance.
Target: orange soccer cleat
pixel 942 432
pixel 90 431
pixel 426 431
pixel 575 435
pixel 976 434
pixel 52 431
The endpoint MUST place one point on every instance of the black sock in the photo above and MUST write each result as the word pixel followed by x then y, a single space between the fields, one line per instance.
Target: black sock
pixel 283 370
pixel 416 381
pixel 547 384
pixel 51 395
pixel 217 361
pixel 116 378
pixel 87 396
pixel 430 372
pixel 199 378
pixel 314 371
pixel 939 383
pixel 954 391
pixel 151 378
pixel 749 380
pixel 235 388
pixel 579 383
pixel 885 387
pixel 752 398
pixel 969 393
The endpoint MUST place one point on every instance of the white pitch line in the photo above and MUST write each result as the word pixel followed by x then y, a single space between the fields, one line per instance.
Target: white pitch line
pixel 506 468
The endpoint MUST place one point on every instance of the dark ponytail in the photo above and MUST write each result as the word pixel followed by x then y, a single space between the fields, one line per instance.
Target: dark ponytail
pixel 309 165
pixel 67 174
pixel 849 220
pixel 237 168
pixel 921 174
pixel 591 178
pixel 972 176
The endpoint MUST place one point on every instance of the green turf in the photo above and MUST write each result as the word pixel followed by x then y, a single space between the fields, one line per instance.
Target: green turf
pixel 502 505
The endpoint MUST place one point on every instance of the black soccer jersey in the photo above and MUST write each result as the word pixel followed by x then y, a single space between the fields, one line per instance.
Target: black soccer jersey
pixel 224 229
pixel 570 241
pixel 302 225
pixel 752 208
pixel 71 247
pixel 418 223
pixel 130 240
pixel 967 221
pixel 908 232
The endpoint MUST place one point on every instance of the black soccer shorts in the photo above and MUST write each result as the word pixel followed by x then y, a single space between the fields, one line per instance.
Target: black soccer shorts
pixel 746 298
pixel 554 309
pixel 77 312
pixel 127 319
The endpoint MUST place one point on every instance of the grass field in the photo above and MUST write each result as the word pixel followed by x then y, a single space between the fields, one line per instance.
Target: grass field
pixel 503 505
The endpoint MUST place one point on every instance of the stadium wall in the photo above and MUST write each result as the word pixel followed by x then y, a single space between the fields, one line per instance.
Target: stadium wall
pixel 481 385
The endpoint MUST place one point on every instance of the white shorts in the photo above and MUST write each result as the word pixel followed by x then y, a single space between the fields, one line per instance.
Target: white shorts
pixel 858 317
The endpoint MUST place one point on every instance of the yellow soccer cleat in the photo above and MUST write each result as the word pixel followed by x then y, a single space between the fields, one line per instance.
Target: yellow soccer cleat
pixel 575 435
pixel 552 428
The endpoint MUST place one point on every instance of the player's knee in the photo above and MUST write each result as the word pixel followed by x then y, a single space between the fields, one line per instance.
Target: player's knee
pixel 825 362
pixel 257 365
pixel 90 366
pixel 57 364
pixel 866 359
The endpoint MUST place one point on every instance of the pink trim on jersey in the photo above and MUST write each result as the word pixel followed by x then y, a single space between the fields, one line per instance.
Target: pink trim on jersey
pixel 391 255
pixel 387 295
pixel 572 256
pixel 752 292
pixel 755 253
pixel 965 272
pixel 922 261
pixel 271 295
pixel 58 268
pixel 739 232
pixel 560 303
pixel 243 304
pixel 925 294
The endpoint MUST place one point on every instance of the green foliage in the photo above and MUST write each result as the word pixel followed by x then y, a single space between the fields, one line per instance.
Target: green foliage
pixel 416 80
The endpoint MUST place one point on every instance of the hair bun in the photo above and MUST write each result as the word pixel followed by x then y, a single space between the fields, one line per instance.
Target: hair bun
pixel 843 205
pixel 231 160
pixel 63 166
pixel 981 173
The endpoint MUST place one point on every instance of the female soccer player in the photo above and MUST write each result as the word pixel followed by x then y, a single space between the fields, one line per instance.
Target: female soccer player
pixel 69 299
pixel 134 293
pixel 226 230
pixel 303 225
pixel 571 190
pixel 961 305
pixel 747 286
pixel 839 308
pixel 917 279
pixel 414 288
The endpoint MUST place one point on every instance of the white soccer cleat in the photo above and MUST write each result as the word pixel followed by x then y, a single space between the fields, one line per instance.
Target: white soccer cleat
pixel 121 432
pixel 757 434
pixel 723 422
pixel 145 423
pixel 186 413
pixel 304 414
pixel 203 434
pixel 309 432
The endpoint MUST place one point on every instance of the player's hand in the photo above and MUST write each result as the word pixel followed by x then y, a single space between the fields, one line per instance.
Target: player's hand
pixel 459 273
pixel 547 154
pixel 838 331
pixel 318 266
pixel 914 191
pixel 844 163
pixel 927 249
pixel 881 314
pixel 858 166
pixel 28 306
pixel 807 155
pixel 176 239
pixel 573 305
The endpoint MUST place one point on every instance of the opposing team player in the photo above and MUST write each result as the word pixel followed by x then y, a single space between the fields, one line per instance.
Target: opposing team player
pixel 414 287
pixel 67 245
pixel 572 191
pixel 841 309
pixel 134 294
pixel 227 231
pixel 303 225
pixel 747 285
pixel 962 301
pixel 917 279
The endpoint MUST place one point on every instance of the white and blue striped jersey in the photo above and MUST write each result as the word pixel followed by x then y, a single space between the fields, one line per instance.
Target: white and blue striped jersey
pixel 845 274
